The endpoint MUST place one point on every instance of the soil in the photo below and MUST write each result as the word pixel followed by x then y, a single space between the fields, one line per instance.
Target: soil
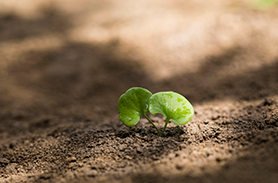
pixel 64 66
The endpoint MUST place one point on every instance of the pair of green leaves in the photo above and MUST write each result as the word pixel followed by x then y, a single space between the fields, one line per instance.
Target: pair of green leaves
pixel 137 101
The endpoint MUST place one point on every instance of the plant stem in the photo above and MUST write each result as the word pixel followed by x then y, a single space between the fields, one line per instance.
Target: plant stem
pixel 152 124
pixel 166 122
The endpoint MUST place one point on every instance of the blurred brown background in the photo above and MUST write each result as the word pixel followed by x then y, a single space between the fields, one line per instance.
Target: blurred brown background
pixel 65 63
pixel 75 58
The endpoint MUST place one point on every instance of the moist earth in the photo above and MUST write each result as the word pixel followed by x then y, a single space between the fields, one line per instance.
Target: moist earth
pixel 232 143
pixel 64 66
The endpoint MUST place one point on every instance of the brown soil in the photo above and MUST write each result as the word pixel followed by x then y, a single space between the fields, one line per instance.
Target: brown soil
pixel 64 66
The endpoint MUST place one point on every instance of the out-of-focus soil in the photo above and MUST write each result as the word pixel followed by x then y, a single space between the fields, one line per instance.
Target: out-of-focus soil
pixel 64 65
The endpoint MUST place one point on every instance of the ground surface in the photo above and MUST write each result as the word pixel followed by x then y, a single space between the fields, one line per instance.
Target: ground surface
pixel 64 66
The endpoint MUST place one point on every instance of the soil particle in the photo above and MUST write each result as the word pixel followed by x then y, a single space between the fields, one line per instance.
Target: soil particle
pixel 71 159
pixel 122 147
pixel 45 176
pixel 89 172
pixel 11 168
pixel 4 161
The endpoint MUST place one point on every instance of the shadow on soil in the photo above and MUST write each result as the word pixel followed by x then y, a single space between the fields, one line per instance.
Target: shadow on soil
pixel 82 74
pixel 15 28
pixel 205 85
pixel 86 80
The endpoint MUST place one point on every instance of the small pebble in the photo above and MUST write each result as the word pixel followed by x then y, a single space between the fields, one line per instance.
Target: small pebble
pixel 171 155
pixel 139 149
pixel 128 157
pixel 4 161
pixel 89 172
pixel 71 159
pixel 122 147
pixel 179 166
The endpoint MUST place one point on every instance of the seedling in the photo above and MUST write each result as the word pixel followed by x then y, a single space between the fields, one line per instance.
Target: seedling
pixel 137 101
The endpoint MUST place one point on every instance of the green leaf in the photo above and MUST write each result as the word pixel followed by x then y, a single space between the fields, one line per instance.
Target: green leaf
pixel 173 106
pixel 132 104
pixel 265 4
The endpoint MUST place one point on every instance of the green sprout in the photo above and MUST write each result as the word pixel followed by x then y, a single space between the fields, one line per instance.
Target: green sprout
pixel 137 102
